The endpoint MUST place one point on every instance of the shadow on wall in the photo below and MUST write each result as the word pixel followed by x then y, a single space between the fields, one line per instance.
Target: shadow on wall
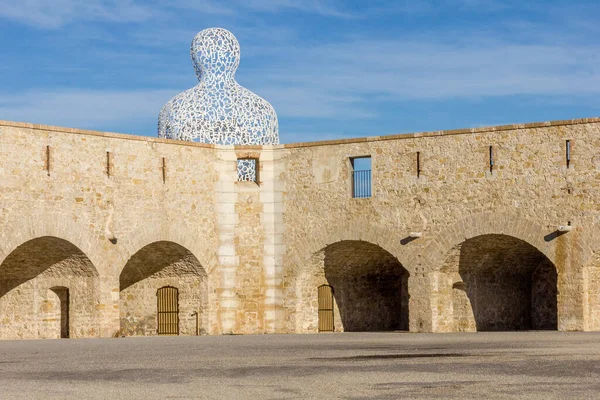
pixel 158 265
pixel 370 286
pixel 49 255
pixel 506 285
pixel 48 289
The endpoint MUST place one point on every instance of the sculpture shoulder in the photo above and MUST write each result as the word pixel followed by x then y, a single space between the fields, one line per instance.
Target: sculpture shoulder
pixel 255 102
pixel 171 108
pixel 259 118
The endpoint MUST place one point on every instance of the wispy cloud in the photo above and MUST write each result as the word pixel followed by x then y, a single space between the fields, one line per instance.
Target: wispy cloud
pixel 300 102
pixel 58 13
pixel 344 71
pixel 323 7
pixel 84 108
pixel 436 70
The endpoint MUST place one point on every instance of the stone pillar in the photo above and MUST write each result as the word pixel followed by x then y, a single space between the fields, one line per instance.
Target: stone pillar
pixel 271 197
pixel 226 198
pixel 419 308
pixel 107 311
pixel 441 302
pixel 568 258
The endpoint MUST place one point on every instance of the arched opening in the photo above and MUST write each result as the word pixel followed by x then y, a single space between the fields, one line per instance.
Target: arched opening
pixel 48 289
pixel 370 289
pixel 501 283
pixel 155 266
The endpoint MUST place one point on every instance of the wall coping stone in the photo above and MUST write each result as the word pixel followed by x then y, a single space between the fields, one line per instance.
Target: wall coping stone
pixel 485 129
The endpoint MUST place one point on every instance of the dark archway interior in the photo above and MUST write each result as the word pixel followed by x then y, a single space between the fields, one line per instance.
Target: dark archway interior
pixel 52 255
pixel 370 286
pixel 511 285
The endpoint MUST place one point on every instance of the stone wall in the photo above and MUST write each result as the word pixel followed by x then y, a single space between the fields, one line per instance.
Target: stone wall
pixel 112 218
pixel 107 196
pixel 499 283
pixel 155 266
pixel 526 195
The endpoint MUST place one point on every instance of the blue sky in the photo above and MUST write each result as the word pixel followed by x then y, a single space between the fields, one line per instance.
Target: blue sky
pixel 332 69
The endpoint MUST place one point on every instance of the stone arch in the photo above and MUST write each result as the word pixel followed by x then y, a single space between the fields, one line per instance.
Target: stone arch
pixel 18 230
pixel 446 245
pixel 370 288
pixel 492 280
pixel 353 230
pixel 192 240
pixel 155 265
pixel 30 306
pixel 437 249
pixel 300 257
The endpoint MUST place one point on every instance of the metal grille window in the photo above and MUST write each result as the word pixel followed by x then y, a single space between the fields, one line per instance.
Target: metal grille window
pixel 361 177
pixel 325 294
pixel 167 311
pixel 246 169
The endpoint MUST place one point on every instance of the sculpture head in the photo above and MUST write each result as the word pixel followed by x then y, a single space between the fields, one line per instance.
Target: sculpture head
pixel 215 51
pixel 218 110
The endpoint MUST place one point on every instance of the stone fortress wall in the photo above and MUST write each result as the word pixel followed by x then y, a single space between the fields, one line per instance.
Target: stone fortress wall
pixel 92 224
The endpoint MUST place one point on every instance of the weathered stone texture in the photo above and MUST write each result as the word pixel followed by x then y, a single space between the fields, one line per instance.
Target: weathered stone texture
pixel 155 266
pixel 527 195
pixel 249 256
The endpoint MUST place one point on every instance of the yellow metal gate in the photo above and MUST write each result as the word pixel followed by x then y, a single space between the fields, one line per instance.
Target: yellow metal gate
pixel 325 308
pixel 168 310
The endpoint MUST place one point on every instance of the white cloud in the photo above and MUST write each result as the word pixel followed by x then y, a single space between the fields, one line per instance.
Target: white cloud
pixel 84 108
pixel 57 13
pixel 90 108
pixel 323 7
pixel 347 81
pixel 405 70
pixel 343 81
pixel 299 102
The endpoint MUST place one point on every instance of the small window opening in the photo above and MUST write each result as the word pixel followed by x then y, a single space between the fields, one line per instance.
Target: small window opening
pixel 48 160
pixel 491 159
pixel 361 176
pixel 418 164
pixel 568 153
pixel 164 170
pixel 247 170
pixel 108 171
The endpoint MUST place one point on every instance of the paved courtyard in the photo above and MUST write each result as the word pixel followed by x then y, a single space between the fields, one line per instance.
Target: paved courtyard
pixel 541 365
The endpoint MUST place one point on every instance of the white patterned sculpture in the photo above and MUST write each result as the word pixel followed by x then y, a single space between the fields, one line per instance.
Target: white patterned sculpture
pixel 218 110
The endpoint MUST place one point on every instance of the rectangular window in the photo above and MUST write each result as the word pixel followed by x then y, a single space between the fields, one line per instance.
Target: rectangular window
pixel 568 153
pixel 361 176
pixel 247 170
pixel 491 159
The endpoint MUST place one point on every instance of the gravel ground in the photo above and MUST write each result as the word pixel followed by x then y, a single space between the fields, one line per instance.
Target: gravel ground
pixel 532 365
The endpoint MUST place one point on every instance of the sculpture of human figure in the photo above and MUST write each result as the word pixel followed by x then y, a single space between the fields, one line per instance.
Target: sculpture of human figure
pixel 218 110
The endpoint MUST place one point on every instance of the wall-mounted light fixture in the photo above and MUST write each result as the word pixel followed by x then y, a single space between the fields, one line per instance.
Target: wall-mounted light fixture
pixel 415 235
